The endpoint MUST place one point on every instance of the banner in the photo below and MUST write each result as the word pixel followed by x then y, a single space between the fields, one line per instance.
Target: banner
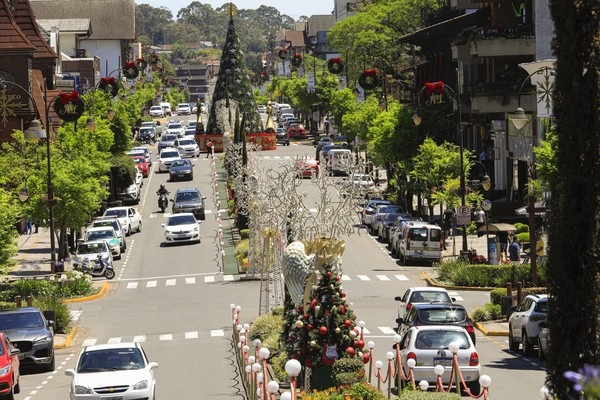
pixel 310 87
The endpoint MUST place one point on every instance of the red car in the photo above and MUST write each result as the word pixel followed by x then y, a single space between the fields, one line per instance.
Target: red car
pixel 297 131
pixel 9 366
pixel 142 165
pixel 307 167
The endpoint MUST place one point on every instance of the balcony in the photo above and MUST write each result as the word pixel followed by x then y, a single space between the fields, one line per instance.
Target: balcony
pixel 501 46
pixel 488 103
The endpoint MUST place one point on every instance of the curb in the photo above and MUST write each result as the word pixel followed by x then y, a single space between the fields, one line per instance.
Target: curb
pixel 68 341
pixel 100 294
pixel 490 333
pixel 432 283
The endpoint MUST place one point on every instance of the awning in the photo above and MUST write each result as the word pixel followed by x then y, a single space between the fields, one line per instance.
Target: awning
pixel 540 209
pixel 498 227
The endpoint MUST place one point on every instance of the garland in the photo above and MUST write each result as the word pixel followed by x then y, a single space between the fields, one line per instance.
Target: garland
pixel 282 53
pixel 68 106
pixel 297 60
pixel 131 71
pixel 153 59
pixel 369 79
pixel 335 66
pixel 109 85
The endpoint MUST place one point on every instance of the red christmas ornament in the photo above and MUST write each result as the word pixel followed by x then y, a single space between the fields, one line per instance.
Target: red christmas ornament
pixel 328 274
pixel 351 351
pixel 300 309
pixel 309 327
pixel 366 358
pixel 360 344
pixel 323 330
pixel 343 294
pixel 313 303
pixel 343 309
pixel 305 316
pixel 337 278
pixel 347 323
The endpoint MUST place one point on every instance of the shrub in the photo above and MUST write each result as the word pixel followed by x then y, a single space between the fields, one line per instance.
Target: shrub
pixel 278 365
pixel 494 311
pixel 496 295
pixel 523 237
pixel 418 395
pixel 348 371
pixel 521 227
pixel 53 301
pixel 358 391
pixel 460 273
pixel 231 206
pixel 480 314
pixel 241 250
pixel 265 325
pixel 245 233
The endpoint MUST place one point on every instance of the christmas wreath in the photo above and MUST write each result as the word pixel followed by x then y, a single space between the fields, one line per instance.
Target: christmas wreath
pixel 264 76
pixel 153 59
pixel 131 71
pixel 297 60
pixel 335 65
pixel 282 53
pixel 141 63
pixel 109 85
pixel 369 79
pixel 68 106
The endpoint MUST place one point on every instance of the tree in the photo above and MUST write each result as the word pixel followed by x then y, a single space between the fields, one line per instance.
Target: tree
pixel 151 21
pixel 574 234
pixel 181 33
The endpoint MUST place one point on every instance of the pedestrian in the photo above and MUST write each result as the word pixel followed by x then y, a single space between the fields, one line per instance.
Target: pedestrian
pixel 28 227
pixel 208 148
pixel 448 219
pixel 479 219
pixel 503 239
pixel 514 250
pixel 326 124
pixel 37 225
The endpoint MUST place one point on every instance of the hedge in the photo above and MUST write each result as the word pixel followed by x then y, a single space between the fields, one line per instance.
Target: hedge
pixel 460 273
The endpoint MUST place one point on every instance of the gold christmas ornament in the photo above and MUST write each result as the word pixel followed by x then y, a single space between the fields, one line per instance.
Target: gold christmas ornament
pixel 338 330
pixel 299 324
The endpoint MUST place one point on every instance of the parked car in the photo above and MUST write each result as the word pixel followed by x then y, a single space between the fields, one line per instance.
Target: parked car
pixel 523 324
pixel 144 150
pixel 166 106
pixel 182 227
pixel 383 231
pixel 429 346
pixel 436 313
pixel 9 368
pixel 131 194
pixel 543 341
pixel 194 108
pixel 396 231
pixel 282 137
pixel 128 217
pixel 113 371
pixel 187 147
pixel 360 184
pixel 91 251
pixel 181 169
pixel 141 164
pixel 422 295
pixel 324 153
pixel 153 124
pixel 31 333
pixel 307 167
pixel 378 214
pixel 166 141
pixel 370 208
pixel 156 111
pixel 420 242
pixel 116 225
pixel 166 157
pixel 106 233
pixel 184 109
pixel 146 135
pixel 296 130
pixel 189 201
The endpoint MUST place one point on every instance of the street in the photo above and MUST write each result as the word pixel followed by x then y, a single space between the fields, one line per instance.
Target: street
pixel 176 301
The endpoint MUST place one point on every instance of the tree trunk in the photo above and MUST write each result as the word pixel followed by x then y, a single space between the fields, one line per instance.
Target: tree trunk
pixel 574 235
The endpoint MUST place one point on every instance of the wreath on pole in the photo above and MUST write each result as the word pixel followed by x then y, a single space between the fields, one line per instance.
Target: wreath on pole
pixel 109 85
pixel 264 76
pixel 131 71
pixel 369 79
pixel 335 66
pixel 297 60
pixel 68 106
pixel 282 54
pixel 141 63
pixel 153 59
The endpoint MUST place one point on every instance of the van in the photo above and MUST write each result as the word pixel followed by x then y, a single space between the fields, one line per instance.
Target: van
pixel 166 106
pixel 339 161
pixel 420 241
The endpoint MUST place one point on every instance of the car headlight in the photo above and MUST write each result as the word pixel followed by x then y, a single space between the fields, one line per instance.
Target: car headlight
pixel 5 370
pixel 196 229
pixel 83 390
pixel 42 340
pixel 141 385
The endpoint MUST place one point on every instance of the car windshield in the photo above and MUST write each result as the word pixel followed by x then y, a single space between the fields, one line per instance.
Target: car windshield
pixel 99 235
pixel 169 138
pixel 187 196
pixel 169 154
pixel 440 339
pixel 374 203
pixel 181 163
pixel 20 320
pixel 389 209
pixel 391 217
pixel 115 213
pixel 442 315
pixel 541 307
pixel 91 248
pixel 181 220
pixel 145 130
pixel 186 142
pixel 176 125
pixel 156 108
pixel 423 296
pixel 139 160
pixel 114 223
pixel 110 360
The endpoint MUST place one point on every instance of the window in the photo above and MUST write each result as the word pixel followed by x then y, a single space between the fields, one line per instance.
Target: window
pixel 435 235
pixel 419 234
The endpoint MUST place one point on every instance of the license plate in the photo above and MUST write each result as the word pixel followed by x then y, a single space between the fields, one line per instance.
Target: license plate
pixel 446 362
pixel 180 174
pixel 113 398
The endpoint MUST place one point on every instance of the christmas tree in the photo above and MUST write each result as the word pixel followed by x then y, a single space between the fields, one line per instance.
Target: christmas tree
pixel 232 92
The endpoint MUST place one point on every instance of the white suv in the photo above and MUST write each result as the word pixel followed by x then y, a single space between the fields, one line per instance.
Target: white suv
pixel 184 109
pixel 523 325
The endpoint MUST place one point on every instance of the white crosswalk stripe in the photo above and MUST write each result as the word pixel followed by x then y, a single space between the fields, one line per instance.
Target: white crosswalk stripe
pixel 75 314
pixel 217 333
pixel 227 278
pixel 363 277
pixel 190 281
pixel 209 279
pixel 346 278
pixel 132 285
pixel 382 277
pixel 114 340
pixel 151 284
pixel 89 342
pixel 171 282
pixel 191 335
pixel 401 277
pixel 386 330
pixel 165 337
pixel 139 338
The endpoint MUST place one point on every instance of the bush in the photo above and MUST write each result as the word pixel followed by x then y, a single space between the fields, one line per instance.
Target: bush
pixel 521 227
pixel 54 302
pixel 241 250
pixel 268 328
pixel 358 391
pixel 348 371
pixel 523 237
pixel 278 365
pixel 460 273
pixel 245 233
pixel 418 395
pixel 480 314
pixel 494 311
pixel 496 295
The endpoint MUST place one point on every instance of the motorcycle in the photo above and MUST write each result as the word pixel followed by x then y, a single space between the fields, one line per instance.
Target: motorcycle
pixel 163 201
pixel 146 139
pixel 95 268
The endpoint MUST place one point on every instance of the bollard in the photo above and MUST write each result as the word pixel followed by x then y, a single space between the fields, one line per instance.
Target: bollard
pixel 29 300
pixel 18 301
pixel 519 292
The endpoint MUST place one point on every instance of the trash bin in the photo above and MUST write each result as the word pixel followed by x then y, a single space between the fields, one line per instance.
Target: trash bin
pixel 506 305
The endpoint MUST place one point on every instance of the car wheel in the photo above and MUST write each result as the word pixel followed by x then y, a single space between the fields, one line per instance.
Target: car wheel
pixel 474 387
pixel 541 354
pixel 139 229
pixel 128 233
pixel 52 365
pixel 527 347
pixel 18 386
pixel 512 343
pixel 202 216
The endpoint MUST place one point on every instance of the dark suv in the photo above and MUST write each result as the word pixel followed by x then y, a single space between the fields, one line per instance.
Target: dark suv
pixel 189 201
pixel 31 333
pixel 282 137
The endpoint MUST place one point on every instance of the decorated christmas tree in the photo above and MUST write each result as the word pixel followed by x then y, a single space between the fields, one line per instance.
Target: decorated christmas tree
pixel 232 92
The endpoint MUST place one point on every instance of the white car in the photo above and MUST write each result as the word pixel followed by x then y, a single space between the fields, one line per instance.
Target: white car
pixel 175 128
pixel 156 111
pixel 524 322
pixel 421 295
pixel 262 108
pixel 113 371
pixel 187 147
pixel 429 346
pixel 166 157
pixel 128 217
pixel 184 109
pixel 182 227
pixel 131 194
pixel 106 233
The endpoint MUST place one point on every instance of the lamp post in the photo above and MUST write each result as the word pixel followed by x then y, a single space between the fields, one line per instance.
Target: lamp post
pixel 416 119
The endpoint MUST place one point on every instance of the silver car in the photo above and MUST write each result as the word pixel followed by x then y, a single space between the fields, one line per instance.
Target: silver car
pixel 119 230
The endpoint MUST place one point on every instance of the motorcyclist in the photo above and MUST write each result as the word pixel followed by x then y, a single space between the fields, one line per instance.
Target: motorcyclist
pixel 162 190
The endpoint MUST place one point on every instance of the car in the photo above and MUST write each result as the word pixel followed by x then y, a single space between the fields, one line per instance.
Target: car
pixel 262 108
pixel 187 147
pixel 282 137
pixel 189 201
pixel 130 194
pixel 429 346
pixel 146 135
pixel 106 233
pixel 141 164
pixel 422 295
pixel 203 108
pixel 166 106
pixel 136 153
pixel 128 217
pixel 436 313
pixel 181 169
pixel 360 184
pixel 420 241
pixel 166 157
pixel 324 141
pixel 370 208
pixel 378 215
pixel 30 332
pixel 297 131
pixel 396 231
pixel 152 124
pixel 190 132
pixel 9 368
pixel 194 108
pixel 543 341
pixel 166 141
pixel 175 128
pixel 182 227
pixel 113 371
pixel 523 324
pixel 90 251
pixel 143 149
pixel 383 231
pixel 116 225
pixel 184 109
pixel 307 167
pixel 192 124
pixel 324 153
pixel 156 111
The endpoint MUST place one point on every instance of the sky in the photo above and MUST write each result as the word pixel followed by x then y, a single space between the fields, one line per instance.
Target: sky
pixel 293 8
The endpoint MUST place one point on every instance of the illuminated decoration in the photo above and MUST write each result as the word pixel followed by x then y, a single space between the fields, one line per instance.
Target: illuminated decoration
pixel 435 95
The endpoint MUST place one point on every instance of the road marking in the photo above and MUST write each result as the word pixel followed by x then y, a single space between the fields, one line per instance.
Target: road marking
pixel 209 279
pixel 382 277
pixel 346 278
pixel 217 332
pixel 89 342
pixel 387 330
pixel 132 285
pixel 228 278
pixel 191 335
pixel 165 337
pixel 139 339
pixel 363 277
pixel 75 314
pixel 171 282
pixel 151 284
pixel 401 277
pixel 208 211
pixel 365 330
pixel 190 281
pixel 114 340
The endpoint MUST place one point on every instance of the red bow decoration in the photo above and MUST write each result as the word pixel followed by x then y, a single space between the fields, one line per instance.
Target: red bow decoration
pixel 108 81
pixel 130 65
pixel 370 72
pixel 297 55
pixel 337 60
pixel 437 87
pixel 72 97
pixel 141 59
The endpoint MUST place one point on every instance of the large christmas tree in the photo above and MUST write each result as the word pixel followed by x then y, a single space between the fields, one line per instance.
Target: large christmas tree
pixel 233 92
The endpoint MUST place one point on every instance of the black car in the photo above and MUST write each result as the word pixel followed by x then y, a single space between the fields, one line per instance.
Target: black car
pixel 388 220
pixel 181 169
pixel 32 334
pixel 282 137
pixel 189 201
pixel 436 314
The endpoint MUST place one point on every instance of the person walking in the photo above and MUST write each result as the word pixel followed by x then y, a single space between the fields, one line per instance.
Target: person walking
pixel 503 240
pixel 28 227
pixel 327 125
pixel 514 250
pixel 209 145
pixel 479 220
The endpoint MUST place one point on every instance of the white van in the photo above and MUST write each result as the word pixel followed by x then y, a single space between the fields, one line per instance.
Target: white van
pixel 420 241
pixel 166 106
pixel 339 161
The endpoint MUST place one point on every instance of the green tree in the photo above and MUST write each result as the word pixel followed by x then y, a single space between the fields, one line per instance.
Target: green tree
pixel 181 33
pixel 9 214
pixel 151 21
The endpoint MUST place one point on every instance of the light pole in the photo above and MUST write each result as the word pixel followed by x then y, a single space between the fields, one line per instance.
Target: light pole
pixel 416 119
